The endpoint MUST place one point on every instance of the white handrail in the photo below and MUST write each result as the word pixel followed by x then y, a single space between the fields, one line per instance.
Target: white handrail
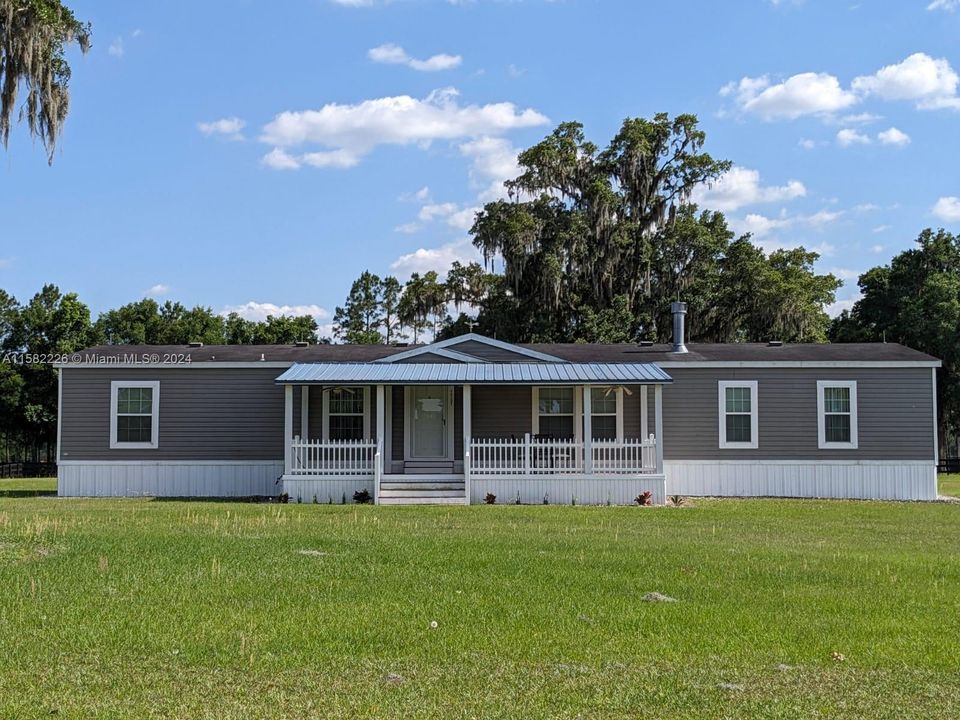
pixel 538 457
pixel 349 458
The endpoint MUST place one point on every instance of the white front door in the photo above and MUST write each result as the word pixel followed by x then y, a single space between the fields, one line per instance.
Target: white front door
pixel 428 422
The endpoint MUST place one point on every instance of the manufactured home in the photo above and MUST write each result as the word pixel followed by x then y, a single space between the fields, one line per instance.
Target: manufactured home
pixel 452 421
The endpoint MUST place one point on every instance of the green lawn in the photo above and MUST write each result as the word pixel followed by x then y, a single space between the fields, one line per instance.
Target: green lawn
pixel 153 609
pixel 949 484
pixel 18 487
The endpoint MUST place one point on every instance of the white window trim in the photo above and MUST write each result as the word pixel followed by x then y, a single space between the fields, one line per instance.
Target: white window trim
pixel 325 413
pixel 754 443
pixel 821 415
pixel 578 409
pixel 618 413
pixel 154 443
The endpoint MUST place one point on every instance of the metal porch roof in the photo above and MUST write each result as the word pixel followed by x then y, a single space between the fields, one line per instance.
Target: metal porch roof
pixel 525 373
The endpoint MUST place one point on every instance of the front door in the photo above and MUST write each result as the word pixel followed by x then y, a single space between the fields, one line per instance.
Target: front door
pixel 428 422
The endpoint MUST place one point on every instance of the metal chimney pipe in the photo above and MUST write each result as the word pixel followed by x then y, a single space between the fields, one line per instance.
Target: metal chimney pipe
pixel 679 309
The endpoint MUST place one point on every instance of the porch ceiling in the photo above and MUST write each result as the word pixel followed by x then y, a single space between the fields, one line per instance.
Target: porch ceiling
pixel 526 373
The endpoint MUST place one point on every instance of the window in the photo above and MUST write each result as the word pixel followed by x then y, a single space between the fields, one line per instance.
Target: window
pixel 604 402
pixel 837 414
pixel 134 414
pixel 738 414
pixel 554 412
pixel 346 416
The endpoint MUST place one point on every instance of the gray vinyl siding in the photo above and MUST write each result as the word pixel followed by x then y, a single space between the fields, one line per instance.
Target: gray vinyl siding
pixel 208 414
pixel 894 408
pixel 501 411
pixel 431 358
pixel 489 352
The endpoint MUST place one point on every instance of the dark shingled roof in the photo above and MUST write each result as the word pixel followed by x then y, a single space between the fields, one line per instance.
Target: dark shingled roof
pixel 621 353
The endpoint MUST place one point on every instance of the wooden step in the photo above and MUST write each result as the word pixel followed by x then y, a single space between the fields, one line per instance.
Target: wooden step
pixel 423 485
pixel 423 500
pixel 431 493
pixel 422 477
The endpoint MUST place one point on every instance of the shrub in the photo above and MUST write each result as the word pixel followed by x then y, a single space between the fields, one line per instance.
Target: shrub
pixel 489 498
pixel 362 497
pixel 644 498
pixel 546 498
pixel 284 498
pixel 677 500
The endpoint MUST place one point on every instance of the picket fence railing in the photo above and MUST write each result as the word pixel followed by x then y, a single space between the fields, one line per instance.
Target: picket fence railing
pixel 533 457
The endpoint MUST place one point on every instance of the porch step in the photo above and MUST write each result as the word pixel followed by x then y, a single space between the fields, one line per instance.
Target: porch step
pixel 429 492
pixel 422 485
pixel 422 477
pixel 461 500
pixel 428 467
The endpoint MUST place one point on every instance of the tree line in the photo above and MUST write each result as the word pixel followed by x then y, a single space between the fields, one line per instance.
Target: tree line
pixel 53 323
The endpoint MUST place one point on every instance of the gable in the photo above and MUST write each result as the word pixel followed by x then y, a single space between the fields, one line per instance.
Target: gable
pixel 490 353
pixel 430 357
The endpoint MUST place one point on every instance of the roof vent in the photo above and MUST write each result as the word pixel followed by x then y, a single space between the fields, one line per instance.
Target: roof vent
pixel 400 344
pixel 678 309
pixel 301 343
pixel 195 343
pixel 775 343
pixel 646 343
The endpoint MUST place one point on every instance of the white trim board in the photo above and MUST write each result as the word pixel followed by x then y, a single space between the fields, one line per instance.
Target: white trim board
pixel 441 344
pixel 822 442
pixel 799 364
pixel 121 461
pixel 754 441
pixel 199 365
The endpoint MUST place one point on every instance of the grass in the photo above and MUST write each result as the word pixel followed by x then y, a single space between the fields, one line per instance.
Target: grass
pixel 27 487
pixel 949 484
pixel 169 609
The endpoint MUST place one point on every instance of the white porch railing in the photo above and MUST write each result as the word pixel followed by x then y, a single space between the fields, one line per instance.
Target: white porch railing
pixel 534 457
pixel 334 458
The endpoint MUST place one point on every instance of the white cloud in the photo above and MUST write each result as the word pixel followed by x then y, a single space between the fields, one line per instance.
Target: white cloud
pixel 932 83
pixel 157 290
pixel 5 262
pixel 433 211
pixel 834 309
pixel 493 161
pixel 893 136
pixel 803 94
pixel 865 207
pixel 352 131
pixel 947 209
pixel 392 54
pixel 422 195
pixel 116 47
pixel 876 249
pixel 258 311
pixel 876 231
pixel 845 274
pixel 863 118
pixel 136 33
pixel 407 228
pixel 277 159
pixel 761 226
pixel 848 137
pixel 807 143
pixel 740 187
pixel 353 3
pixel 945 5
pixel 439 259
pixel 228 128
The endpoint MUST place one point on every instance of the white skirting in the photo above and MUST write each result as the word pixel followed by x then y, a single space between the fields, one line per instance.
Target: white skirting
pixel 863 479
pixel 326 490
pixel 565 490
pixel 169 478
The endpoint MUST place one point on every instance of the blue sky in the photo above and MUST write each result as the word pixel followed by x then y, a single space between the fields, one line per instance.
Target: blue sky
pixel 233 155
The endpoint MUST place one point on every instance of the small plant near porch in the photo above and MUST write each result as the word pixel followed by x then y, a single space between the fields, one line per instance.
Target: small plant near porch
pixel 490 499
pixel 643 499
pixel 362 497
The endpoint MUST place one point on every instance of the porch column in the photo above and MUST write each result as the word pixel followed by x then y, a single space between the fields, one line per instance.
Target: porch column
pixel 467 435
pixel 378 458
pixel 287 429
pixel 305 412
pixel 658 424
pixel 587 431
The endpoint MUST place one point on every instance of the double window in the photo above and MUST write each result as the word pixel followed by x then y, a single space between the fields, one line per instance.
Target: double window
pixel 738 414
pixel 134 414
pixel 557 411
pixel 346 415
pixel 837 414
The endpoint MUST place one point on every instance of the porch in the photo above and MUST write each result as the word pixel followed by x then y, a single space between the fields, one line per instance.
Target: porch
pixel 454 443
